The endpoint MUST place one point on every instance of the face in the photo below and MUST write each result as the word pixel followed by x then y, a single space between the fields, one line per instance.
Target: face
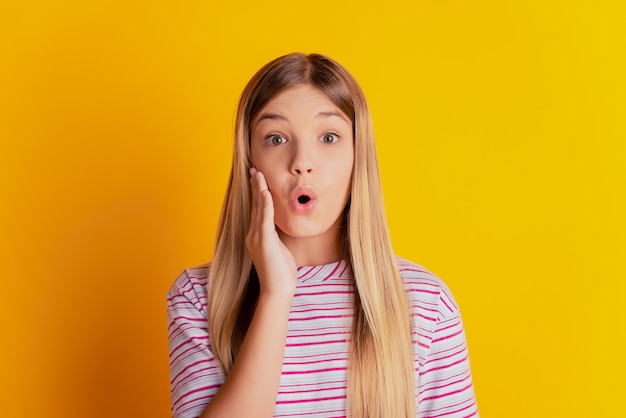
pixel 304 146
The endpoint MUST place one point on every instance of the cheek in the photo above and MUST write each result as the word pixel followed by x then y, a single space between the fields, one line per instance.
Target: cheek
pixel 261 164
pixel 344 171
pixel 272 180
pixel 258 154
pixel 261 158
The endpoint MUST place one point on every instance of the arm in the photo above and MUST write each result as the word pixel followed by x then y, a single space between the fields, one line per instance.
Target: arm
pixel 251 387
pixel 195 375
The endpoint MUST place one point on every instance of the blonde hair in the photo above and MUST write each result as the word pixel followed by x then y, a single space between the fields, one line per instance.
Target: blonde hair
pixel 380 362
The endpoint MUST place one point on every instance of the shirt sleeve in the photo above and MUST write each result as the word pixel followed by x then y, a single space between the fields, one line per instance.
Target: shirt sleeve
pixel 445 380
pixel 195 376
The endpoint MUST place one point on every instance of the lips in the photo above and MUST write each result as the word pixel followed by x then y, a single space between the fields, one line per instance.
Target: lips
pixel 302 200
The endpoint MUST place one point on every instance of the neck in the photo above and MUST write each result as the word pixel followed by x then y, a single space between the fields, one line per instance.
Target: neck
pixel 316 250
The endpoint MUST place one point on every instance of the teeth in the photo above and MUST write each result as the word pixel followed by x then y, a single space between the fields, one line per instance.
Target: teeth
pixel 303 199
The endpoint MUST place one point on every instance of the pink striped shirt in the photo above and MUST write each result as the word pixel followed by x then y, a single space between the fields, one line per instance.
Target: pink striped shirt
pixel 313 381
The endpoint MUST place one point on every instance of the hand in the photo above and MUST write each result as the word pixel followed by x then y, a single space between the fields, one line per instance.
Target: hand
pixel 274 263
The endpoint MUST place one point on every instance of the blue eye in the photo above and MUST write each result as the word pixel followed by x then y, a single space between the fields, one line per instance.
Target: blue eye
pixel 275 140
pixel 329 138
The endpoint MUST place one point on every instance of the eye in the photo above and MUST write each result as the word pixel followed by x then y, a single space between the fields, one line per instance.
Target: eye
pixel 329 138
pixel 275 140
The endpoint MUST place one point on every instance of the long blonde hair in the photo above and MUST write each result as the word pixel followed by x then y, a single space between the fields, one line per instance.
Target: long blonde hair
pixel 380 363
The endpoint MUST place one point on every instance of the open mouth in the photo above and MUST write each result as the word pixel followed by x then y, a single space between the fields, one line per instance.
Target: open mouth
pixel 303 199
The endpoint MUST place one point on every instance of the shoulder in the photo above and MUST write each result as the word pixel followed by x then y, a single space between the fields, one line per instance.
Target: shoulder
pixel 191 286
pixel 426 292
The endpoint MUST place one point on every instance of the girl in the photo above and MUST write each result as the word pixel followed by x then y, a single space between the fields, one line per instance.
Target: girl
pixel 304 310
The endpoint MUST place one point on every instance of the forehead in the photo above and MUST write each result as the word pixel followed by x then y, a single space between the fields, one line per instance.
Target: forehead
pixel 303 93
pixel 298 101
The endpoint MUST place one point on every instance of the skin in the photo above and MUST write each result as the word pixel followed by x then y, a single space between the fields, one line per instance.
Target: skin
pixel 298 139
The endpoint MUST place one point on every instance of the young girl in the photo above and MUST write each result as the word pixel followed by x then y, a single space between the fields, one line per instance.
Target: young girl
pixel 304 310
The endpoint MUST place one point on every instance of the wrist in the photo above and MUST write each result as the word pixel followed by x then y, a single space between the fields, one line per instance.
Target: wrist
pixel 279 296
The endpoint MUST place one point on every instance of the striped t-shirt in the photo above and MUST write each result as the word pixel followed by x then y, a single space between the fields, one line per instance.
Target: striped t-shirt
pixel 313 381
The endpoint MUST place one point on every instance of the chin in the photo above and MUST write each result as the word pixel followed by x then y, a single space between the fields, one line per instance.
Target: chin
pixel 304 229
pixel 301 232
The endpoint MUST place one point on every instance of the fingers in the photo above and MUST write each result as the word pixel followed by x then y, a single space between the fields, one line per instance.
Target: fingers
pixel 257 195
pixel 267 209
pixel 262 204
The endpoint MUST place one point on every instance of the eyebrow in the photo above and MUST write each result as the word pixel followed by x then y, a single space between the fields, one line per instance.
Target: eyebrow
pixel 266 115
pixel 276 116
pixel 329 114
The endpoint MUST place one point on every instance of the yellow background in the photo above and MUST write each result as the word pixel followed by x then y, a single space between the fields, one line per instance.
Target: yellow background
pixel 501 134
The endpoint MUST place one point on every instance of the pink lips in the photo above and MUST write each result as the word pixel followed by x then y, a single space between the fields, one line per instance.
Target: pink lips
pixel 302 200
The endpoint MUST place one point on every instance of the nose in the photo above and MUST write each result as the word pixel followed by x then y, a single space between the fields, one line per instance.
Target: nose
pixel 303 160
